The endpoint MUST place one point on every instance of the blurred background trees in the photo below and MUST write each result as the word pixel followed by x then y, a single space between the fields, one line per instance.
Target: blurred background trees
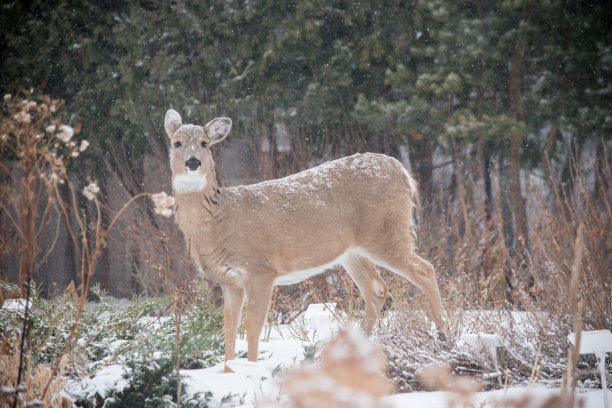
pixel 481 99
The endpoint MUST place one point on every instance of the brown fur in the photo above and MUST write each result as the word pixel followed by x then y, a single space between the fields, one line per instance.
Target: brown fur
pixel 356 211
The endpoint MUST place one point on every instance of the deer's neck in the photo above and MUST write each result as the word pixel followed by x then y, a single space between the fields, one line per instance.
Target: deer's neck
pixel 198 214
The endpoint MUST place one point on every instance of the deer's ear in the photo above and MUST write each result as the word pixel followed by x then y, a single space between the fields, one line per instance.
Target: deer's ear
pixel 217 129
pixel 173 122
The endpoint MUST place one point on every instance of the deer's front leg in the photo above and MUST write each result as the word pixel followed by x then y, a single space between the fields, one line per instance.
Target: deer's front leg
pixel 233 298
pixel 259 295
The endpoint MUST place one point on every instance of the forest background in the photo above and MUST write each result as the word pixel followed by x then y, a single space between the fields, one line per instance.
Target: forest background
pixel 502 110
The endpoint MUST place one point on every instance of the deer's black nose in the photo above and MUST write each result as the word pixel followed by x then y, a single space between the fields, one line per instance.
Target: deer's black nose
pixel 193 164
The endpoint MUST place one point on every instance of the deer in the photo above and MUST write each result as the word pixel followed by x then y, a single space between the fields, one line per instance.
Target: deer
pixel 357 212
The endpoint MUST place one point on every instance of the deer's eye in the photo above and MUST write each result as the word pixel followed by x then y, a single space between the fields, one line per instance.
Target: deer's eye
pixel 177 144
pixel 204 145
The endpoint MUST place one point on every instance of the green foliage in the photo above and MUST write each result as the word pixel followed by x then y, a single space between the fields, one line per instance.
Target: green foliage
pixel 104 331
pixel 463 125
pixel 318 66
pixel 153 384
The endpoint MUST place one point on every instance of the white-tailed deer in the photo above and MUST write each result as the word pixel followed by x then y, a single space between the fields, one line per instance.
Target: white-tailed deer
pixel 357 211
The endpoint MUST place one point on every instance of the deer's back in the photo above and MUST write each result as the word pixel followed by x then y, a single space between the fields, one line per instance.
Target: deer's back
pixel 343 196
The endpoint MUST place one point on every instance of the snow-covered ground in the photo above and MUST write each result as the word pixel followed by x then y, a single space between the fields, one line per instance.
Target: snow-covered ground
pixel 285 347
pixel 512 397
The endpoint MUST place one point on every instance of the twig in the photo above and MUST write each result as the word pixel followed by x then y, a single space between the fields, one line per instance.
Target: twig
pixel 22 342
pixel 536 368
pixel 576 309
pixel 178 308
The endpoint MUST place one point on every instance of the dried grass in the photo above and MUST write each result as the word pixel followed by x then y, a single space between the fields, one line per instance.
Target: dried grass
pixel 33 382
pixel 463 392
pixel 478 272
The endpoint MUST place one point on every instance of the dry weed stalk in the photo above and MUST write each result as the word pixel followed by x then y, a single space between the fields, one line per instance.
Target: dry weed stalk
pixel 569 385
pixel 152 248
pixel 39 149
pixel 88 256
pixel 178 307
pixel 36 151
pixel 554 247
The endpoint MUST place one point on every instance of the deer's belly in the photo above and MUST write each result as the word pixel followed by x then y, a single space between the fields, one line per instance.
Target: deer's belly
pixel 297 276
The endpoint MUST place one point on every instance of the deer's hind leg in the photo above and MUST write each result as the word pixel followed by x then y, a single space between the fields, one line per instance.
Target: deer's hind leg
pixel 370 284
pixel 421 273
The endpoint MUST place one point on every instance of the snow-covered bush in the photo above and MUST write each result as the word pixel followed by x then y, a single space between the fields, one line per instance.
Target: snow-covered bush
pixel 101 329
pixel 532 348
pixel 149 349
pixel 139 334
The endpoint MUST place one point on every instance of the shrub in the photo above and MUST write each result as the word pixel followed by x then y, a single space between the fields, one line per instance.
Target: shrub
pixel 140 335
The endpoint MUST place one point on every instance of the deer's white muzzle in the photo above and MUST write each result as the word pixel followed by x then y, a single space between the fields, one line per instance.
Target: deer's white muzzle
pixel 189 182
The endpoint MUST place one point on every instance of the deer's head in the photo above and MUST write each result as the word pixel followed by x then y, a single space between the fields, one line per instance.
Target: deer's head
pixel 190 157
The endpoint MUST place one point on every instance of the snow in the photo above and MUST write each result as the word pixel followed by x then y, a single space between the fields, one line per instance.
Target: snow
pixel 489 341
pixel 219 383
pixel 594 342
pixel 283 349
pixel 15 305
pixel 108 378
pixel 280 351
pixel 324 176
pixel 251 369
pixel 598 342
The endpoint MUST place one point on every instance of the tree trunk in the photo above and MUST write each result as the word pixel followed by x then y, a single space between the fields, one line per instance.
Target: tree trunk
pixel 104 265
pixel 516 140
pixel 485 169
pixel 70 257
pixel 464 226
pixel 421 158
pixel 548 170
pixel 602 183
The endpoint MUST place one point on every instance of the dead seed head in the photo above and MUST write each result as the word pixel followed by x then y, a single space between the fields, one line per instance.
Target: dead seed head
pixel 65 133
pixel 84 145
pixel 440 377
pixel 349 375
pixel 91 190
pixel 23 117
pixel 164 204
